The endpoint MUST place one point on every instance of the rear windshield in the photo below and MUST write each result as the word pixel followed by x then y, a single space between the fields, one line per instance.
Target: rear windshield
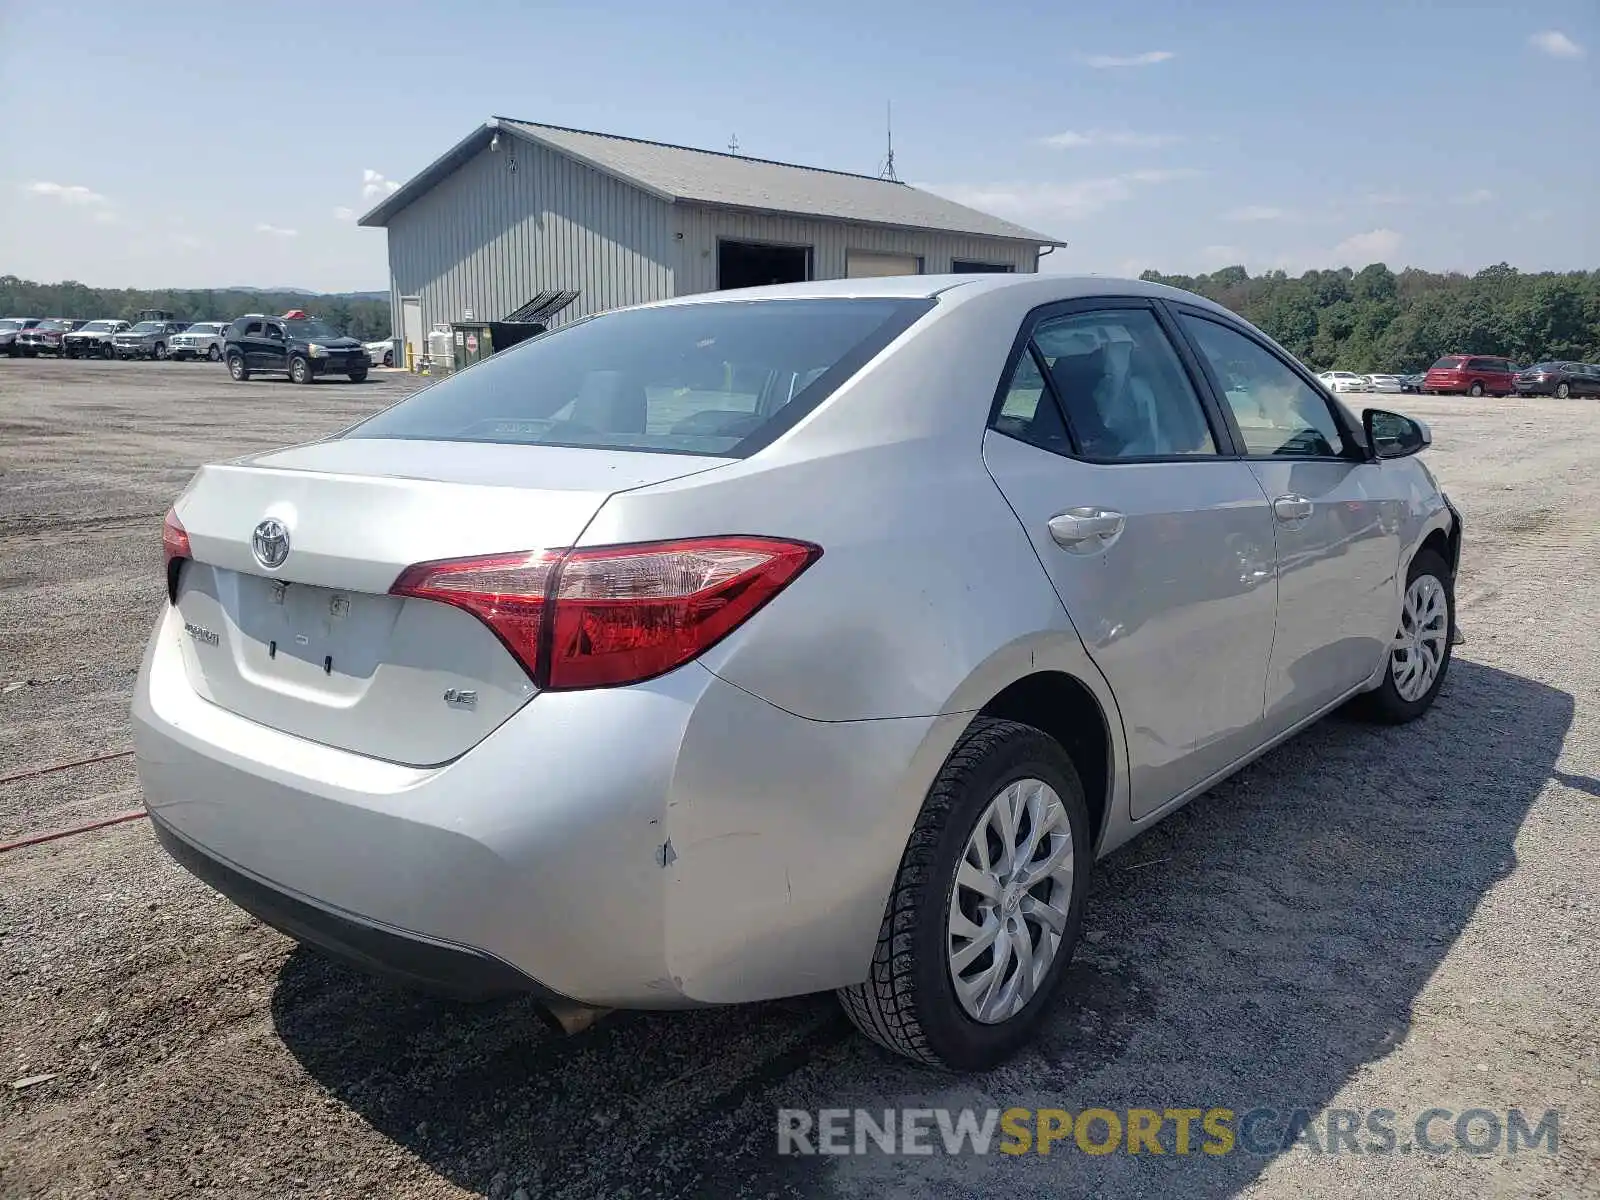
pixel 720 378
pixel 1448 363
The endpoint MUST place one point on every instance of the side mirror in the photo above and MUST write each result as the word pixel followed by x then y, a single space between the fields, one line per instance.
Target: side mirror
pixel 1392 436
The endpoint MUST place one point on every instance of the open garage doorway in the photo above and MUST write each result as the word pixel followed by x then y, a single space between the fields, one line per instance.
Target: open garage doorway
pixel 755 264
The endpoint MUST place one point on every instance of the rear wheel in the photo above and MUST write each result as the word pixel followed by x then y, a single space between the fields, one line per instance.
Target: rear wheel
pixel 1563 390
pixel 299 370
pixel 1419 655
pixel 1475 390
pixel 986 907
pixel 388 358
pixel 236 367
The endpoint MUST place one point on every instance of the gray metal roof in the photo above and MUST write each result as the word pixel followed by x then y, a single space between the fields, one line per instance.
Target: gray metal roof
pixel 681 174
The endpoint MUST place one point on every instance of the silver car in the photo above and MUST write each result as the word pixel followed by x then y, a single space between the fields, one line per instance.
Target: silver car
pixel 762 643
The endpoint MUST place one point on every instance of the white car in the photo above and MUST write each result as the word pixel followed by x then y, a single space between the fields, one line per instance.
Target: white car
pixel 1389 384
pixel 204 339
pixel 383 354
pixel 1343 381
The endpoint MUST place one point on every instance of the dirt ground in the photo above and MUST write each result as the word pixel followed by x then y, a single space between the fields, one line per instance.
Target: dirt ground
pixel 1367 918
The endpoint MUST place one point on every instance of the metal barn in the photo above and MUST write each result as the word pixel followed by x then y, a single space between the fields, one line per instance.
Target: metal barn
pixel 517 210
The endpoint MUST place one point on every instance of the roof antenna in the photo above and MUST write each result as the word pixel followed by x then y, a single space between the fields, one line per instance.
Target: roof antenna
pixel 886 168
pixel 733 144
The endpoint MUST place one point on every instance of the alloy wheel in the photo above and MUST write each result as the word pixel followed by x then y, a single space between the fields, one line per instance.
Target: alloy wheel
pixel 1419 646
pixel 1009 906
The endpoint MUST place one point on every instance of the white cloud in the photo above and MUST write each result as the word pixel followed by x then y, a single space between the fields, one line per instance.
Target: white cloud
pixel 1376 245
pixel 1258 212
pixel 1148 58
pixel 74 194
pixel 1556 44
pixel 375 185
pixel 1476 196
pixel 344 214
pixel 1055 201
pixel 1075 140
pixel 276 231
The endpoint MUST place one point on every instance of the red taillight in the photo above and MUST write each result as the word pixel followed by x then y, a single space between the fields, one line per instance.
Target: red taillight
pixel 174 550
pixel 609 615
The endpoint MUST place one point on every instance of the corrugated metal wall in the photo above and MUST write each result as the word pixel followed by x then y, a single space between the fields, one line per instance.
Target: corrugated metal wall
pixel 488 238
pixel 829 240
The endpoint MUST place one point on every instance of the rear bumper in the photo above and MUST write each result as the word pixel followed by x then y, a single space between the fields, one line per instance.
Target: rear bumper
pixel 427 965
pixel 675 843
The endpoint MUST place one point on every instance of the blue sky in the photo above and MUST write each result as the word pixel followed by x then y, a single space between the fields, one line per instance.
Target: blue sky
pixel 161 146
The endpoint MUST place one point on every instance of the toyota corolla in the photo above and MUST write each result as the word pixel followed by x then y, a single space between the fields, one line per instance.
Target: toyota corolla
pixel 801 638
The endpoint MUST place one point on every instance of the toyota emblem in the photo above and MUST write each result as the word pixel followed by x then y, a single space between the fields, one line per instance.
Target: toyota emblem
pixel 270 542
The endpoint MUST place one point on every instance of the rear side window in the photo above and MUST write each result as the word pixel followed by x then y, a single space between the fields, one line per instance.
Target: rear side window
pixel 1449 362
pixel 719 378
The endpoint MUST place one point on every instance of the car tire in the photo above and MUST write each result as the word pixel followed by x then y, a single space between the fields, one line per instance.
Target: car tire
pixel 1475 390
pixel 237 369
pixel 388 358
pixel 1563 390
pixel 159 352
pixel 108 352
pixel 358 376
pixel 299 370
pixel 908 1003
pixel 1391 703
pixel 213 355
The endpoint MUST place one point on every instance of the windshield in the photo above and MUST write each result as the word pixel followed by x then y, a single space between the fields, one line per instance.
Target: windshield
pixel 10 326
pixel 205 327
pixel 147 327
pixel 312 329
pixel 718 378
pixel 98 327
pixel 1548 366
pixel 43 325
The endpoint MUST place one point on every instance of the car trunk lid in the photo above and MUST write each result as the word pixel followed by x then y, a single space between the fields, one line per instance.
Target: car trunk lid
pixel 317 646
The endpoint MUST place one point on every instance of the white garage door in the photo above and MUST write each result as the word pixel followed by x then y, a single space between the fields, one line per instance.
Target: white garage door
pixel 866 264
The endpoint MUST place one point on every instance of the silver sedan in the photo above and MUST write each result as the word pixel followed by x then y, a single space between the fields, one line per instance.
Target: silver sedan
pixel 803 638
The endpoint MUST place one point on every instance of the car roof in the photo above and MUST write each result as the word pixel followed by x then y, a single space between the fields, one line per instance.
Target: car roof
pixel 1033 287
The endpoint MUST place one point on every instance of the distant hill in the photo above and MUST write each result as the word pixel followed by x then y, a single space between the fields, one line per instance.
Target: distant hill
pixel 365 315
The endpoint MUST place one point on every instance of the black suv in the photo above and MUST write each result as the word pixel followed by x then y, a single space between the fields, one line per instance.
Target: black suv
pixel 298 346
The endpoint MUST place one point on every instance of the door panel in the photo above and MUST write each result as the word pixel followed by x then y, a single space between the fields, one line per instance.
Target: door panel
pixel 1176 607
pixel 1338 538
pixel 1338 599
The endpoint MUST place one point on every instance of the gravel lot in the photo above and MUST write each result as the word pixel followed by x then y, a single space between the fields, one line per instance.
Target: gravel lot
pixel 1367 918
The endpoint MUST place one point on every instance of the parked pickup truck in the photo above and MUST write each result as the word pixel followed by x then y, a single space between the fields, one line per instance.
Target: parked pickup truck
pixel 92 340
pixel 45 337
pixel 203 339
pixel 147 339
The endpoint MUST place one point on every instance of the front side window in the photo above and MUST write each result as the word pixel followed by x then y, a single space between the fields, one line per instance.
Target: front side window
pixel 1119 384
pixel 705 378
pixel 1277 412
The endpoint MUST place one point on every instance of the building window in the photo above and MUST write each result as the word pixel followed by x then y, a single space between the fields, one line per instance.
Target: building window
pixel 872 264
pixel 968 266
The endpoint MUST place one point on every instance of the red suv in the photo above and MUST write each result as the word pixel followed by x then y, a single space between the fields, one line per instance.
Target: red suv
pixel 1473 374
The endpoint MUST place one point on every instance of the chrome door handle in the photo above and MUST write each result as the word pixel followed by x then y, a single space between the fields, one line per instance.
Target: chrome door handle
pixel 1086 528
pixel 1291 508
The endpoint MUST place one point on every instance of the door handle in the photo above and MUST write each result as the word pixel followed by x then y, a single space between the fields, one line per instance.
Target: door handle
pixel 1291 508
pixel 1086 528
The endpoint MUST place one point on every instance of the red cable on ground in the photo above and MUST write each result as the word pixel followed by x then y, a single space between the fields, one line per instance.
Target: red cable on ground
pixel 82 762
pixel 34 840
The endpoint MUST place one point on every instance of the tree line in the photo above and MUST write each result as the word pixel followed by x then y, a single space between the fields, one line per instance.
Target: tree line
pixel 360 316
pixel 1376 320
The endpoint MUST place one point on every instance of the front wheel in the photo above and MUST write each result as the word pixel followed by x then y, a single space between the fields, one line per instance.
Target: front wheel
pixel 237 369
pixel 159 353
pixel 986 907
pixel 213 355
pixel 359 375
pixel 299 370
pixel 1419 655
pixel 108 351
pixel 388 358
